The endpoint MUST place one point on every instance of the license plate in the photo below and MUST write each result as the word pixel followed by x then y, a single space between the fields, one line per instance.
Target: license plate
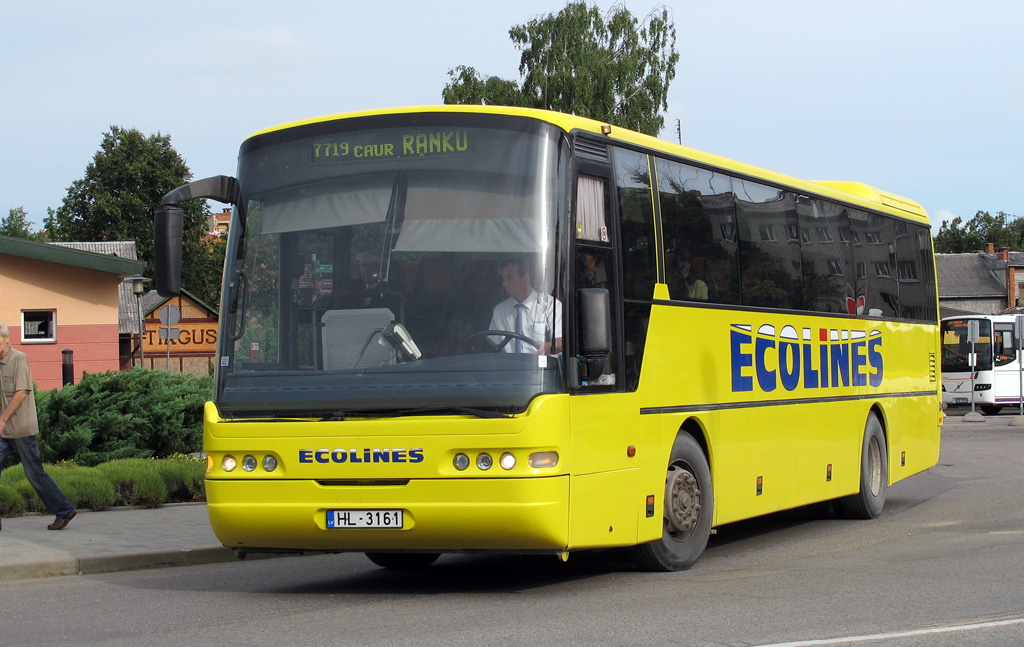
pixel 364 518
pixel 960 401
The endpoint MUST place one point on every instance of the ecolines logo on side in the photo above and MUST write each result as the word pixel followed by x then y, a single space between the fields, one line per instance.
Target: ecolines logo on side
pixel 832 358
pixel 356 456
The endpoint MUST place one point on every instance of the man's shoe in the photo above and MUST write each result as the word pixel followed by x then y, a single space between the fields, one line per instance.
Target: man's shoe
pixel 60 522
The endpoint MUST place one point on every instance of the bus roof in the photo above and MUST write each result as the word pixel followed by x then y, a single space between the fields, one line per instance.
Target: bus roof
pixel 855 193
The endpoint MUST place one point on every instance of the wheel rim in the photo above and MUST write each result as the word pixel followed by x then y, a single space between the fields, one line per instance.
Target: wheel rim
pixel 682 502
pixel 875 466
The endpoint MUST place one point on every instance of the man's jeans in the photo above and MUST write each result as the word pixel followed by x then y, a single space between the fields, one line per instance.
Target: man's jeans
pixel 28 449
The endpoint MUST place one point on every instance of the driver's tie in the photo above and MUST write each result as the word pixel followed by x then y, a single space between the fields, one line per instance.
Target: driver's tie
pixel 520 315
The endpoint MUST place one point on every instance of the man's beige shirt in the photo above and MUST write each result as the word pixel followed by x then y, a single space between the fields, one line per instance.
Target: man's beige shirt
pixel 15 376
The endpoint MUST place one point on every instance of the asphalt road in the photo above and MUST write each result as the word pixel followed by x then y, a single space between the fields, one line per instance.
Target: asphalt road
pixel 943 566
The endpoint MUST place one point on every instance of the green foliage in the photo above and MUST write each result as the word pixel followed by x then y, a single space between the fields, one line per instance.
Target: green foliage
pixel 11 501
pixel 132 482
pixel 1002 230
pixel 130 414
pixel 87 487
pixel 611 67
pixel 118 195
pixel 16 225
pixel 183 476
pixel 135 482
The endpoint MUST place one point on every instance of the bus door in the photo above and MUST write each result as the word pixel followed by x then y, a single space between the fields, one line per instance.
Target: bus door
pixel 605 494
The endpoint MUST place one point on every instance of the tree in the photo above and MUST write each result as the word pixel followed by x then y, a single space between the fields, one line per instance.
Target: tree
pixel 611 67
pixel 1002 230
pixel 116 199
pixel 16 225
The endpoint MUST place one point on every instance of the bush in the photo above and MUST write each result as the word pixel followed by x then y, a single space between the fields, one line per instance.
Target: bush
pixel 136 482
pixel 11 501
pixel 183 476
pixel 87 487
pixel 117 415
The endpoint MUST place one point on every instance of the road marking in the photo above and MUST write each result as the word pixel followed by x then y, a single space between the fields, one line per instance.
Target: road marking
pixel 898 634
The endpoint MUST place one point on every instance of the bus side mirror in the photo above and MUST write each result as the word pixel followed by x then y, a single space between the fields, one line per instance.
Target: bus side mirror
pixel 168 223
pixel 594 308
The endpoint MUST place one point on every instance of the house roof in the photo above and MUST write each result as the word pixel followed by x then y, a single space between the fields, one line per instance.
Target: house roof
pixel 63 255
pixel 979 276
pixel 127 307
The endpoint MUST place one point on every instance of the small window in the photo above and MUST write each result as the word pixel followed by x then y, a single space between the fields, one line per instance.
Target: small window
pixel 767 233
pixel 38 326
pixel 591 222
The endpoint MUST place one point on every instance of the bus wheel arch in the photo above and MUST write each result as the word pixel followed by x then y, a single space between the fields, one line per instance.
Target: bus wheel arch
pixel 688 506
pixel 868 502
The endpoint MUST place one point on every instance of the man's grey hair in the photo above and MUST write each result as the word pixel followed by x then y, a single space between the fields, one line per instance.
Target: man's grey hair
pixel 4 333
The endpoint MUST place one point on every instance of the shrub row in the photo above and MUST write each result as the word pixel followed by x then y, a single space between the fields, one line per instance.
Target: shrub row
pixel 133 482
pixel 128 414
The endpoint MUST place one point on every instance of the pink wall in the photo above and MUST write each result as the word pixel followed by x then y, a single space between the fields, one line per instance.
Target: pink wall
pixel 85 305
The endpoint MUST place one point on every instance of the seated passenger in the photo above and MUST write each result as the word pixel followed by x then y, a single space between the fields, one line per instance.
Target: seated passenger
pixel 683 283
pixel 526 312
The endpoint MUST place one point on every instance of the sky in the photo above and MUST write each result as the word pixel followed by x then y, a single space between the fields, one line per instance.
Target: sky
pixel 923 98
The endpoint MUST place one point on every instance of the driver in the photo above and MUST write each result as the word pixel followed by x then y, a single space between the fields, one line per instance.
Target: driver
pixel 526 312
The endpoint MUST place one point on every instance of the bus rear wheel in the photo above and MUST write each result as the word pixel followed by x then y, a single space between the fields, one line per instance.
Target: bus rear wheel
pixel 403 561
pixel 874 475
pixel 688 510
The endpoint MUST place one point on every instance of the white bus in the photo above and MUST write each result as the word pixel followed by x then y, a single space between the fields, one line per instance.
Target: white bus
pixel 994 377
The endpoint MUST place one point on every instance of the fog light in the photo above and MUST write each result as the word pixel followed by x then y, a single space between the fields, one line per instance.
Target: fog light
pixel 484 461
pixel 461 462
pixel 249 463
pixel 507 461
pixel 229 464
pixel 543 459
pixel 269 463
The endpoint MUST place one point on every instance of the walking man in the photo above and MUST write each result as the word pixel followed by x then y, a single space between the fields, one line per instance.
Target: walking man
pixel 19 426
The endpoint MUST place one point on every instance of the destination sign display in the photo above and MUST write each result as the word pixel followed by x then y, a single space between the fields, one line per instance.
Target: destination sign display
pixel 390 145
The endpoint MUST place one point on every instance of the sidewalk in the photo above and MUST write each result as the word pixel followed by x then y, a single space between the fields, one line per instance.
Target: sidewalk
pixel 112 540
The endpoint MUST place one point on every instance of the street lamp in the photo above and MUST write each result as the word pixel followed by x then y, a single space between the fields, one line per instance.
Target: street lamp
pixel 138 288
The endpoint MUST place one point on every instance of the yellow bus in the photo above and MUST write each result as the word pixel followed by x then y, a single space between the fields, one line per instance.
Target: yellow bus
pixel 470 328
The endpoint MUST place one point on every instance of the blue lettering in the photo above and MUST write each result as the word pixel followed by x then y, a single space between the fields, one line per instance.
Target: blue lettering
pixel 381 456
pixel 416 455
pixel 810 374
pixel 398 456
pixel 823 365
pixel 321 456
pixel 875 360
pixel 740 360
pixel 305 455
pixel 840 364
pixel 354 456
pixel 765 378
pixel 339 456
pixel 859 378
pixel 789 364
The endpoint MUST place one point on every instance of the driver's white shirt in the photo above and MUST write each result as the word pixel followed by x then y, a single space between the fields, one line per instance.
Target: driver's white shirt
pixel 542 320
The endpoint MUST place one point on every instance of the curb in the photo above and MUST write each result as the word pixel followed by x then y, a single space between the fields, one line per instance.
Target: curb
pixel 116 563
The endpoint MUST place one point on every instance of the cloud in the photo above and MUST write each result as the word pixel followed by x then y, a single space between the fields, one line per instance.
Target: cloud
pixel 939 217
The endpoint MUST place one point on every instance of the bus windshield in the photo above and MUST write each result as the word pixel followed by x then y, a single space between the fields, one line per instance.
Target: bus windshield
pixel 956 348
pixel 375 256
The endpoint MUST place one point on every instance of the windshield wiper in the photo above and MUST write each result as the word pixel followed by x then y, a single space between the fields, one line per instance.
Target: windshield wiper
pixel 388 413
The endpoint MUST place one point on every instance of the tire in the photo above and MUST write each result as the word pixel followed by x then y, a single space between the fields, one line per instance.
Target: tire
pixel 990 409
pixel 874 475
pixel 689 504
pixel 403 561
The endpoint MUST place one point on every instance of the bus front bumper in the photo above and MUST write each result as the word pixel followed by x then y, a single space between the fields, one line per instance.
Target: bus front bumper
pixel 520 514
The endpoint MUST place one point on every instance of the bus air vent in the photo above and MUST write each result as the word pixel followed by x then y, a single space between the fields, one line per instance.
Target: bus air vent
pixel 592 150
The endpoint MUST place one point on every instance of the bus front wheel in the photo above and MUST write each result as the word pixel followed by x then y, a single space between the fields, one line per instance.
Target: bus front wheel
pixel 688 509
pixel 874 475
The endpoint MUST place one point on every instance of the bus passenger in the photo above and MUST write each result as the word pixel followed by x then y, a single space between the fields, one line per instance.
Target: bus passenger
pixel 683 283
pixel 526 312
